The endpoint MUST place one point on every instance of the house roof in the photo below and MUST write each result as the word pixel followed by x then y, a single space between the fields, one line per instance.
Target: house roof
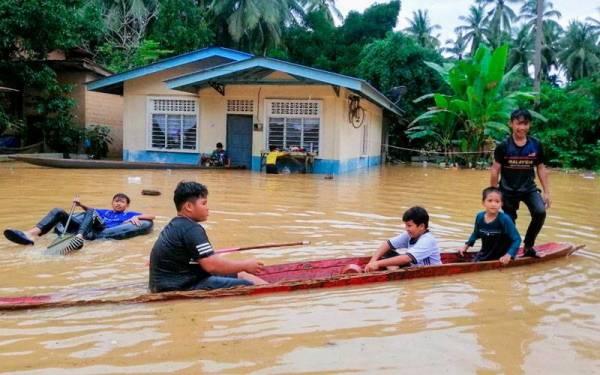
pixel 114 83
pixel 255 71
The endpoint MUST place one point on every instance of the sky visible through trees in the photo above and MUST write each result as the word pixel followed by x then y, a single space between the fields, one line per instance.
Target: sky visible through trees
pixel 446 12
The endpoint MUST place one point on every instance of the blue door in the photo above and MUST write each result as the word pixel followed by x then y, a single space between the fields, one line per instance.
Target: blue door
pixel 239 140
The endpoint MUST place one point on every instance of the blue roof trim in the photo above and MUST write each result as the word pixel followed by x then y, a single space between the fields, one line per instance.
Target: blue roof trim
pixel 168 63
pixel 185 82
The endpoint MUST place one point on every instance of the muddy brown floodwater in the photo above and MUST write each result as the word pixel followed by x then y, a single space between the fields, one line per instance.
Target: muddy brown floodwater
pixel 540 319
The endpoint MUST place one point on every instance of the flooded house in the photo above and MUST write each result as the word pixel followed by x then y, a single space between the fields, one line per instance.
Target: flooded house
pixel 177 109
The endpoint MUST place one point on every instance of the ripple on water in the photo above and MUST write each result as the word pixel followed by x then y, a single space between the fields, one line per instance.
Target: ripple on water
pixel 508 321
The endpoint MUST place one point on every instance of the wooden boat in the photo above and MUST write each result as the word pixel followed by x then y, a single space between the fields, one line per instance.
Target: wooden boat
pixel 54 162
pixel 305 275
pixel 21 150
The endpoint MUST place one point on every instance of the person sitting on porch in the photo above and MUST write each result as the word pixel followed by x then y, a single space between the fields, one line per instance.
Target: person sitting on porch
pixel 219 156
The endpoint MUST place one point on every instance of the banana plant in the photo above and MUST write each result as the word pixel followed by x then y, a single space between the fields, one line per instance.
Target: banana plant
pixel 478 108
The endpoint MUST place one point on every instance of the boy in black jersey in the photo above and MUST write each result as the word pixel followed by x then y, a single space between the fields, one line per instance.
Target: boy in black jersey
pixel 515 160
pixel 183 258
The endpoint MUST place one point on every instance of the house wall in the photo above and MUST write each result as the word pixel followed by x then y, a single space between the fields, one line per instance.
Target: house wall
pixel 106 110
pixel 340 144
pixel 213 114
pixel 349 139
pixel 95 108
pixel 136 93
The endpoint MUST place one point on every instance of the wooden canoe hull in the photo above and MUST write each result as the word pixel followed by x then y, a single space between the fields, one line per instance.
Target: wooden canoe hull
pixel 103 164
pixel 296 276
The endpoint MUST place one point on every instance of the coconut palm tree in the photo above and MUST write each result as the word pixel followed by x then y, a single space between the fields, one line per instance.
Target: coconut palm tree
pixel 256 24
pixel 499 18
pixel 595 25
pixel 552 36
pixel 521 51
pixel 528 13
pixel 580 56
pixel 457 47
pixel 475 31
pixel 329 6
pixel 422 30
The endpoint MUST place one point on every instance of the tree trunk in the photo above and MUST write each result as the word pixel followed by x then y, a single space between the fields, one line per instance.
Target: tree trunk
pixel 537 59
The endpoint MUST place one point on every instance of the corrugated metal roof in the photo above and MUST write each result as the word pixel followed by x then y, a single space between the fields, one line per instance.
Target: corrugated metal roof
pixel 114 83
pixel 192 81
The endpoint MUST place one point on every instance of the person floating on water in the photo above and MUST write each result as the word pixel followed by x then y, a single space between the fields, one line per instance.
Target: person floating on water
pixel 514 161
pixel 117 223
pixel 421 246
pixel 220 157
pixel 183 257
pixel 499 236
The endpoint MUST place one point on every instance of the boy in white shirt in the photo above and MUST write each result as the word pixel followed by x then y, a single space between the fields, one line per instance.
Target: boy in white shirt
pixel 420 245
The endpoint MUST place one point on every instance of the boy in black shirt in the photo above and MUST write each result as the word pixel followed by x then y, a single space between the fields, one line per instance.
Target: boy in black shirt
pixel 183 258
pixel 515 160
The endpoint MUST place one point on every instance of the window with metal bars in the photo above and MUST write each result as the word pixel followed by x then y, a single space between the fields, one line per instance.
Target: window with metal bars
pixel 173 124
pixel 294 124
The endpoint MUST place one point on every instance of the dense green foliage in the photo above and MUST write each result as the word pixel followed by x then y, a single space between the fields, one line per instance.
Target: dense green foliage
pixel 395 61
pixel 320 44
pixel 30 30
pixel 181 26
pixel 572 133
pixel 124 34
pixel 478 107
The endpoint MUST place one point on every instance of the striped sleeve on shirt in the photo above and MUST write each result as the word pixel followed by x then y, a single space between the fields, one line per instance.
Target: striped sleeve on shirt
pixel 204 250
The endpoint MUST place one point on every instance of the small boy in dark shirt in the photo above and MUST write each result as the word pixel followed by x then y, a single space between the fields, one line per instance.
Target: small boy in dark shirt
pixel 499 236
pixel 183 258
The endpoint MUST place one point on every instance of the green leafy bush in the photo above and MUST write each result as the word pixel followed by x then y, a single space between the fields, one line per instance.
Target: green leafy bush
pixel 571 134
pixel 96 142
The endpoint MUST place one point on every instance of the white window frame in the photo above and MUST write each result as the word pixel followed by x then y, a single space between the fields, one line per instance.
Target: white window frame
pixel 150 111
pixel 267 114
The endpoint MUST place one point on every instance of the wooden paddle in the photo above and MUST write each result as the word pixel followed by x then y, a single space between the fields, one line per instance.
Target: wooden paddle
pixel 263 246
pixel 243 248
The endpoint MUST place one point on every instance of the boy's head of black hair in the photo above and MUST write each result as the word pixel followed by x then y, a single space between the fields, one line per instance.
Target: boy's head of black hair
pixel 188 191
pixel 520 115
pixel 418 215
pixel 489 190
pixel 219 145
pixel 121 196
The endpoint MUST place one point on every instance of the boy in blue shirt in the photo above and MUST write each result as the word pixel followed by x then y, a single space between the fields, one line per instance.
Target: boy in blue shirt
pixel 499 236
pixel 117 223
pixel 421 246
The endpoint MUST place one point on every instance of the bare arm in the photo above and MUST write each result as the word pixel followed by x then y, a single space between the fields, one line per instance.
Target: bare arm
pixel 382 249
pixel 495 174
pixel 375 263
pixel 542 172
pixel 218 265
pixel 78 203
pixel 399 260
pixel 136 219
